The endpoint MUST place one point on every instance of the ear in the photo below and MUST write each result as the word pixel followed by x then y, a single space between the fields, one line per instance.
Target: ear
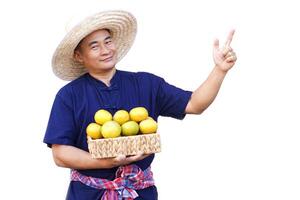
pixel 77 56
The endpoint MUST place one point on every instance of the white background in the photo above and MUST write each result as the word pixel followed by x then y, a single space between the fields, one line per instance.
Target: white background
pixel 244 146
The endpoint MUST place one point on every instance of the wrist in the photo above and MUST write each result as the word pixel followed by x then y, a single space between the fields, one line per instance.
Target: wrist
pixel 217 69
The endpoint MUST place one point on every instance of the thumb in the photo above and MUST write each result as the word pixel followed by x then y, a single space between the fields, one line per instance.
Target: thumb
pixel 216 44
pixel 120 158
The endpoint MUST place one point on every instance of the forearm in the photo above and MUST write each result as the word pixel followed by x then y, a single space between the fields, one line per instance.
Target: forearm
pixel 75 158
pixel 205 94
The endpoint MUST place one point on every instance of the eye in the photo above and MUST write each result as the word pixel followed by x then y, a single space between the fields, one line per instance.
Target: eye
pixel 108 42
pixel 94 47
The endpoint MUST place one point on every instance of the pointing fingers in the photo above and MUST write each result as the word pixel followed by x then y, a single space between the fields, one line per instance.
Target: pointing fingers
pixel 229 38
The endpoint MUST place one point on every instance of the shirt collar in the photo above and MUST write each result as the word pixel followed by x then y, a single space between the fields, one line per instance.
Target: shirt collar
pixel 113 82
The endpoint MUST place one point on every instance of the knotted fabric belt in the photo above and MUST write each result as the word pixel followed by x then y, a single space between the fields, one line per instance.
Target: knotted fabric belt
pixel 128 179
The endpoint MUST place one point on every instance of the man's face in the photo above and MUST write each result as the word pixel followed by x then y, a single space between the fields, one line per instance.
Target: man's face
pixel 97 52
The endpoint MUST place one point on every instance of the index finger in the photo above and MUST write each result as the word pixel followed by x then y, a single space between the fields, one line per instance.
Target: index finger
pixel 229 38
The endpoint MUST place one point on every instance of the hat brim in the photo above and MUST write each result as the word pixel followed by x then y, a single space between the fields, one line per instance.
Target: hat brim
pixel 122 26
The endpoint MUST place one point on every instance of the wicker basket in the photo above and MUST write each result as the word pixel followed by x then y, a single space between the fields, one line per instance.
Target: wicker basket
pixel 125 145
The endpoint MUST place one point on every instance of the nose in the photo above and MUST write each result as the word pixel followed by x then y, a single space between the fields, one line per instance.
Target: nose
pixel 104 50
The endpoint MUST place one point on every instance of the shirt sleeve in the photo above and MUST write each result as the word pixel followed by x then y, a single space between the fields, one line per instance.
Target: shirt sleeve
pixel 172 101
pixel 61 127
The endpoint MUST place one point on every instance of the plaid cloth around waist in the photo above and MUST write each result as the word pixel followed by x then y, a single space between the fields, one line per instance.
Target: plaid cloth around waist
pixel 128 179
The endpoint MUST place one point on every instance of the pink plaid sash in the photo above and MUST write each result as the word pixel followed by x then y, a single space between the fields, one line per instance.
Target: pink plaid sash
pixel 128 179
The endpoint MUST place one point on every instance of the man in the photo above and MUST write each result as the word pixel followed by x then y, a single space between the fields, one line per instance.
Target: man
pixel 88 56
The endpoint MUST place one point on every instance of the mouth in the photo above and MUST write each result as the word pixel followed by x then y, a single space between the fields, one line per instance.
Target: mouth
pixel 107 59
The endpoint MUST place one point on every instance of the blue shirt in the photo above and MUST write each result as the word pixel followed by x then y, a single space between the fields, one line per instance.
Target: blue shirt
pixel 76 103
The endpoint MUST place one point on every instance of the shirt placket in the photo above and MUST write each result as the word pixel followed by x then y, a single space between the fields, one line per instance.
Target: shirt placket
pixel 110 97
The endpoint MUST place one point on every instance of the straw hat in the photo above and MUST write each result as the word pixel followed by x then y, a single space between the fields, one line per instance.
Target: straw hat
pixel 122 26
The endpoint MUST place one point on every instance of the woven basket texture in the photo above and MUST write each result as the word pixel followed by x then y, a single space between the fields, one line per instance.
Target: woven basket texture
pixel 125 145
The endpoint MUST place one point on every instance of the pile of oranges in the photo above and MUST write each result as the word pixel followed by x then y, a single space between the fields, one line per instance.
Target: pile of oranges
pixel 122 123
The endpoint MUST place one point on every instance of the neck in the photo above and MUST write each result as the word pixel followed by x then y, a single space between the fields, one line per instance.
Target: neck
pixel 104 76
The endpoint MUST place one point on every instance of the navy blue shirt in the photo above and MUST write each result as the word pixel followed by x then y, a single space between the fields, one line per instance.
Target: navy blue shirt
pixel 76 103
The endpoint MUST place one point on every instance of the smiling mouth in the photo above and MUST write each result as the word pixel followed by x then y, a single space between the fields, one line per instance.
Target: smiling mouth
pixel 107 59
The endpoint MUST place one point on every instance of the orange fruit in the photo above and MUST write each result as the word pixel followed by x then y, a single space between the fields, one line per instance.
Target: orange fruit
pixel 138 114
pixel 94 130
pixel 111 129
pixel 148 126
pixel 102 116
pixel 130 128
pixel 121 116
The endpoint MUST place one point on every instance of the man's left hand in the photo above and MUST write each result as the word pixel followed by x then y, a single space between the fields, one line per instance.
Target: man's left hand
pixel 224 57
